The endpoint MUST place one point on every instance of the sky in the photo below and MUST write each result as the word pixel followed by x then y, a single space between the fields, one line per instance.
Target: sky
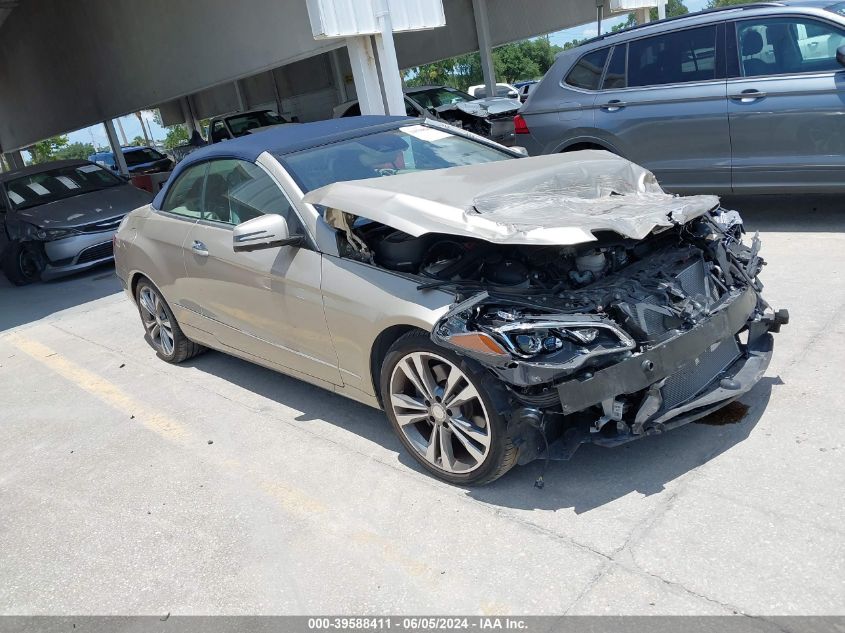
pixel 132 128
pixel 589 30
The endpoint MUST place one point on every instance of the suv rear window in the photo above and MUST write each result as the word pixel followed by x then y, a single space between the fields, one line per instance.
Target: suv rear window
pixel 587 72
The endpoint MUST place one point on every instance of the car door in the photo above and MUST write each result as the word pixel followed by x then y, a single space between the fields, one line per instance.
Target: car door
pixel 266 303
pixel 786 99
pixel 662 104
pixel 165 232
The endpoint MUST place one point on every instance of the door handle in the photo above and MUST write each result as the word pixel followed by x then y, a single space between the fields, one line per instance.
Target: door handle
pixel 613 105
pixel 199 249
pixel 748 96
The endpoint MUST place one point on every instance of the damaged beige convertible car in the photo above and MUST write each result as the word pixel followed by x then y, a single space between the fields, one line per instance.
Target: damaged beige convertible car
pixel 499 309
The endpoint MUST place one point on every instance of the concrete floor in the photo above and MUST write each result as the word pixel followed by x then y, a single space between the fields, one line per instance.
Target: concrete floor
pixel 114 501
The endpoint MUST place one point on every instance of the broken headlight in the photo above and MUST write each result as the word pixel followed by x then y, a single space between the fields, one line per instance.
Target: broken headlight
pixel 558 342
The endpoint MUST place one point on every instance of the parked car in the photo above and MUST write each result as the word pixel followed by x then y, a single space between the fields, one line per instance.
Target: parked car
pixel 236 124
pixel 525 88
pixel 498 308
pixel 492 118
pixel 139 160
pixel 745 99
pixel 58 218
pixel 502 90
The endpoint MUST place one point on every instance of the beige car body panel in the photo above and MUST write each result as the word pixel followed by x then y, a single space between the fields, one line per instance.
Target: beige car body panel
pixel 315 317
pixel 557 199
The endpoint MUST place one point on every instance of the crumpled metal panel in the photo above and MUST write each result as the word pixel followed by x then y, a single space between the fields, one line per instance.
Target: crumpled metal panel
pixel 557 199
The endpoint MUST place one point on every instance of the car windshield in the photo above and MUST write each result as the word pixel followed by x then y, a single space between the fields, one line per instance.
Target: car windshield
pixel 242 123
pixel 407 149
pixel 56 184
pixel 437 97
pixel 839 8
pixel 140 156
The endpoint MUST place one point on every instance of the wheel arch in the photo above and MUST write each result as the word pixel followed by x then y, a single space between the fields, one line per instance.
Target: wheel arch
pixel 378 352
pixel 575 145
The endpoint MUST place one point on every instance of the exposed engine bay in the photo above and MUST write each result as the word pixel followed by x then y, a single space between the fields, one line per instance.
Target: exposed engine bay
pixel 479 116
pixel 548 319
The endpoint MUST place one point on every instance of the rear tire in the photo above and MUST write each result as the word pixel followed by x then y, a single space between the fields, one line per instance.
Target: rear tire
pixel 443 412
pixel 161 330
pixel 22 263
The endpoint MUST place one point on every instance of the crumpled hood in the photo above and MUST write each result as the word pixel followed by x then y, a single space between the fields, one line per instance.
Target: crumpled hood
pixel 484 107
pixel 86 208
pixel 559 199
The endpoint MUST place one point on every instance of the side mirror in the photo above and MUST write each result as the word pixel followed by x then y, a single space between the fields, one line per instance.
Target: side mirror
pixel 266 231
pixel 840 55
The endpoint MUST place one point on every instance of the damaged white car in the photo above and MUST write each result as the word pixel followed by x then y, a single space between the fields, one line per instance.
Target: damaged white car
pixel 499 309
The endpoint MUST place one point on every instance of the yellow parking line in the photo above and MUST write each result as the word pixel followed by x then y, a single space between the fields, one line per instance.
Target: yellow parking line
pixel 293 501
pixel 100 388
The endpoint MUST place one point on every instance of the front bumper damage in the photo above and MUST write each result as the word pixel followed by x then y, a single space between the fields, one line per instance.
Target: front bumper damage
pixel 636 389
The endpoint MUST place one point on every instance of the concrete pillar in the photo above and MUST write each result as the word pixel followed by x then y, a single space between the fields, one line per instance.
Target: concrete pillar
pixel 276 94
pixel 599 15
pixel 14 159
pixel 119 158
pixel 337 76
pixel 365 74
pixel 188 114
pixel 394 98
pixel 122 133
pixel 239 95
pixel 482 30
pixel 643 15
pixel 661 9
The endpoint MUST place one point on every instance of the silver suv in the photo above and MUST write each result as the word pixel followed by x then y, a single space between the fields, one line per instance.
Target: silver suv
pixel 744 99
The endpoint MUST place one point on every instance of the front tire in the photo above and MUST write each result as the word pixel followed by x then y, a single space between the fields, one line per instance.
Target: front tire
pixel 162 331
pixel 22 264
pixel 443 412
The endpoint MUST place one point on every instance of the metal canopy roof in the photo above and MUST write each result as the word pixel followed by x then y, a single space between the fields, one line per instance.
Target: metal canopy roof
pixel 67 65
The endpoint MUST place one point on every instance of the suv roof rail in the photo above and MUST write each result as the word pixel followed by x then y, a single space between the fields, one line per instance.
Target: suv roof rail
pixel 734 7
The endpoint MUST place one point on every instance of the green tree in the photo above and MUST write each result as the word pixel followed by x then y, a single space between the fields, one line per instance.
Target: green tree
pixel 528 59
pixel 715 4
pixel 176 135
pixel 138 141
pixel 74 150
pixel 44 151
pixel 674 8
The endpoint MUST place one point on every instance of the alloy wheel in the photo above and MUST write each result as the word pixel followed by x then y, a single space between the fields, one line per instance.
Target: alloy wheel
pixel 156 320
pixel 440 412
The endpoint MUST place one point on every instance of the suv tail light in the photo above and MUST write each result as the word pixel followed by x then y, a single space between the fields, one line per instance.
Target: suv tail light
pixel 519 125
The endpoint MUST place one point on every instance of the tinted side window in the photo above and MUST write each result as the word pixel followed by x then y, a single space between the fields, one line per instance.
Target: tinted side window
pixel 218 132
pixel 615 75
pixel 237 191
pixel 679 57
pixel 587 72
pixel 185 196
pixel 778 46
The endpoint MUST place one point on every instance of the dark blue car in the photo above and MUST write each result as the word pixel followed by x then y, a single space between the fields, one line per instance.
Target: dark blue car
pixel 139 160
